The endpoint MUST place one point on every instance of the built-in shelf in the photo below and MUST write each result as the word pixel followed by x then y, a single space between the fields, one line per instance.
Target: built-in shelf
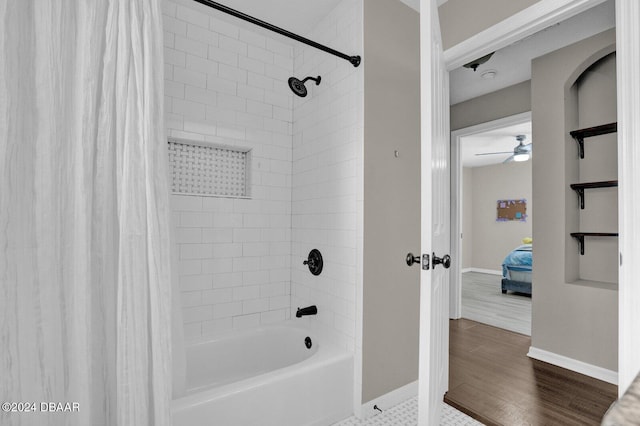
pixel 580 237
pixel 580 187
pixel 580 134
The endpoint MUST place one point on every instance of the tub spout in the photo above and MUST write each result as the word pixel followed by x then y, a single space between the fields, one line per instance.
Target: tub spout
pixel 309 310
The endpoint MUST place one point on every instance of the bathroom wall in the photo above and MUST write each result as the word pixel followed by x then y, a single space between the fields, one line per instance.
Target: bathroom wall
pixel 226 83
pixel 467 217
pixel 327 167
pixel 391 289
pixel 572 317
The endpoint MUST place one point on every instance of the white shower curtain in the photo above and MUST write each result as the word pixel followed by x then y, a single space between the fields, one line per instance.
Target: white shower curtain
pixel 85 297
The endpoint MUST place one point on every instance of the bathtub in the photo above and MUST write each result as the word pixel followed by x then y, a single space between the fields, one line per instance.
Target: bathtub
pixel 265 376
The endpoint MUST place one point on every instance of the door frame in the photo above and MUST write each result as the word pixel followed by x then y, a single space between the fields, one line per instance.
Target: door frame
pixel 545 13
pixel 455 294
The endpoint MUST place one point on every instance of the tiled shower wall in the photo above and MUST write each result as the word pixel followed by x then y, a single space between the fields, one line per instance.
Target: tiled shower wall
pixel 226 83
pixel 328 143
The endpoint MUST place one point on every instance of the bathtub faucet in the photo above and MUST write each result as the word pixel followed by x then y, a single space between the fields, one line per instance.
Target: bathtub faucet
pixel 309 310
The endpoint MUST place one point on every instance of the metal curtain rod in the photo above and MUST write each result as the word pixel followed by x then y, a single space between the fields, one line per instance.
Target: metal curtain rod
pixel 355 60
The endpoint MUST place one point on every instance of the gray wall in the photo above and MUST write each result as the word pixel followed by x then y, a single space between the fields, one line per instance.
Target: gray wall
pixel 461 19
pixel 502 103
pixel 492 240
pixel 571 316
pixel 391 197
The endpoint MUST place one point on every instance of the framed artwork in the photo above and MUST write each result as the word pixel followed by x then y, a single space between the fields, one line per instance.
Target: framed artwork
pixel 512 210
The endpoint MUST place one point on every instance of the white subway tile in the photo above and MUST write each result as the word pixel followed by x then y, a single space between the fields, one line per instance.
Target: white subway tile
pixel 192 16
pixel 226 280
pixel 283 114
pixel 254 306
pixel 246 292
pixel 190 46
pixel 201 34
pixel 227 250
pixel 250 278
pixel 217 205
pixel 217 325
pixel 223 56
pixel 174 89
pixel 232 45
pixel 188 235
pixel 189 267
pixel 192 78
pixel 217 235
pixel 232 73
pixel 217 296
pixel 217 266
pixel 279 275
pixel 250 64
pixel 174 57
pixel 173 121
pixel 243 264
pixel 195 251
pixel 279 48
pixel 179 134
pixel 272 290
pixel 255 249
pixel 283 61
pixel 227 220
pixel 223 27
pixel 203 65
pixel 195 282
pixel 272 317
pixel 261 54
pixel 190 110
pixel 252 220
pixel 221 85
pixel 168 72
pixel 246 321
pixel 259 108
pixel 191 298
pixel 252 93
pixel 196 219
pixel 169 39
pixel 246 235
pixel 174 25
pixel 283 100
pixel 197 314
pixel 186 203
pixel 249 121
pixel 279 302
pixel 234 103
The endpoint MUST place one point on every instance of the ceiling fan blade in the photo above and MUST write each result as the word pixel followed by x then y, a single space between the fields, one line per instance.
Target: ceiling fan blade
pixel 495 153
pixel 528 147
pixel 508 160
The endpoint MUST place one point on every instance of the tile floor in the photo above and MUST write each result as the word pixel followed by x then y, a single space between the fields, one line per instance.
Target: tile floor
pixel 406 414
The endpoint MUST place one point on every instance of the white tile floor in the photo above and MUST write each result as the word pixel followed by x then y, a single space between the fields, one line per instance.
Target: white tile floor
pixel 406 414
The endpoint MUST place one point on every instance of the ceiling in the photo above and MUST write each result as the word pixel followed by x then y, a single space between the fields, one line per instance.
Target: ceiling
pixel 513 63
pixel 492 141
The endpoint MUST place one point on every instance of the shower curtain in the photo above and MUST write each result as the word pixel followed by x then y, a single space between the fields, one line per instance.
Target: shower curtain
pixel 85 297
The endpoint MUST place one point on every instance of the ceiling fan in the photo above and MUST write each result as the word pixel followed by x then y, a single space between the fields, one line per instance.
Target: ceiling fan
pixel 521 152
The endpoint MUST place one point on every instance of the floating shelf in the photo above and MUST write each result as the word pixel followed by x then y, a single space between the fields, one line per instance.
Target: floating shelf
pixel 580 134
pixel 580 237
pixel 580 187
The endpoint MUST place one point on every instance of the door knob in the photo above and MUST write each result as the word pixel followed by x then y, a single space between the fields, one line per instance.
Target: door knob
pixel 444 261
pixel 411 259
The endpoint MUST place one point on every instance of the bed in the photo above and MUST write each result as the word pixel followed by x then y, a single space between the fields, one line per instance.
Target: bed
pixel 516 270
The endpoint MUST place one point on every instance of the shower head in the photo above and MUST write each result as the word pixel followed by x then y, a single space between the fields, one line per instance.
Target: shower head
pixel 298 86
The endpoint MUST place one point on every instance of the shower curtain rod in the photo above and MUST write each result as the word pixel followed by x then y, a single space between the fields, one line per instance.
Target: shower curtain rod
pixel 355 60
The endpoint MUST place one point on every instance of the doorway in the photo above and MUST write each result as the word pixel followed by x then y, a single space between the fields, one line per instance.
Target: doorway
pixel 493 221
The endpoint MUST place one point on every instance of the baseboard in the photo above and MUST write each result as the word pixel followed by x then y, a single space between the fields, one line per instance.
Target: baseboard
pixel 482 271
pixel 590 370
pixel 387 400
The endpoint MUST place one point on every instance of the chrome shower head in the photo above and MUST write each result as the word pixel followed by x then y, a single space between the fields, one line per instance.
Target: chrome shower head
pixel 298 86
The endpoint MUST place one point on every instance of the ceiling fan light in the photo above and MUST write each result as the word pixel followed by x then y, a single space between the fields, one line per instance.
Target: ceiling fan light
pixel 523 156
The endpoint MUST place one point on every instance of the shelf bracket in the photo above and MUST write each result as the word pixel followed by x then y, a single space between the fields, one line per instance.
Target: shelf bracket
pixel 580 239
pixel 580 192
pixel 580 142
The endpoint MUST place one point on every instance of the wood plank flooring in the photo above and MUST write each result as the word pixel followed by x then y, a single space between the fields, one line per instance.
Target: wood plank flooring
pixel 492 380
pixel 483 301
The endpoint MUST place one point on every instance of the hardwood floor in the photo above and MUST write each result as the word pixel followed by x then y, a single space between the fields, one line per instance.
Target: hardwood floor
pixel 483 301
pixel 492 380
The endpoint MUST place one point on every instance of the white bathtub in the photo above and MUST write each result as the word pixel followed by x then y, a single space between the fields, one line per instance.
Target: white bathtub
pixel 265 376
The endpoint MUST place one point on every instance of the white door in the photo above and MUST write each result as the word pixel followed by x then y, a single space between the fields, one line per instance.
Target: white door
pixel 435 219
